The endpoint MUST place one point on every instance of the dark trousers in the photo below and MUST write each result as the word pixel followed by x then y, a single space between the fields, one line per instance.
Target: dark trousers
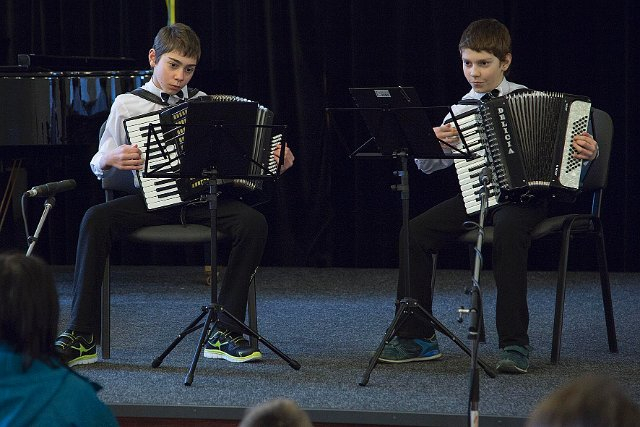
pixel 108 222
pixel 444 223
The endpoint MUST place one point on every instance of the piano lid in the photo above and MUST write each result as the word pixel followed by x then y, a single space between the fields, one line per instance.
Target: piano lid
pixel 56 101
pixel 76 63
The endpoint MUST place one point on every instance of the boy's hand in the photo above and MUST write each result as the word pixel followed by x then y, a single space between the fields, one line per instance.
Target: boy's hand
pixel 585 147
pixel 288 157
pixel 125 157
pixel 447 133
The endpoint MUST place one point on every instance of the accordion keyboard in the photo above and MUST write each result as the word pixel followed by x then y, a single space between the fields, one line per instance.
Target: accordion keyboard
pixel 469 170
pixel 159 192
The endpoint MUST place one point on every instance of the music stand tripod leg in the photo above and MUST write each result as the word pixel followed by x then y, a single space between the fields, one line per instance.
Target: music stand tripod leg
pixel 445 331
pixel 193 326
pixel 212 317
pixel 246 329
pixel 406 308
pixel 401 314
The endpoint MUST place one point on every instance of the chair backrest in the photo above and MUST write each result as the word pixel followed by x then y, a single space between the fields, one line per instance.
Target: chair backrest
pixel 602 125
pixel 597 176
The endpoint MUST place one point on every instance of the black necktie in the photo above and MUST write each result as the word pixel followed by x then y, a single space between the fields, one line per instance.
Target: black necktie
pixel 489 95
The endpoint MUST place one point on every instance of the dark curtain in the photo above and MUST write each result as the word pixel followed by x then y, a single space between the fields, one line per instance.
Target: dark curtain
pixel 300 57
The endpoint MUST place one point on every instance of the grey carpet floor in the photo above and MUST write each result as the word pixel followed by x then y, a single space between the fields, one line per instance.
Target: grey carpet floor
pixel 331 321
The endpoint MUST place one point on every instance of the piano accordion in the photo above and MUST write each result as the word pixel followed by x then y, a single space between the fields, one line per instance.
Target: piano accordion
pixel 161 137
pixel 527 138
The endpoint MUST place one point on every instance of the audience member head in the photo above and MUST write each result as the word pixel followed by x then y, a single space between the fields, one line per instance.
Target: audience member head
pixel 276 413
pixel 589 401
pixel 29 307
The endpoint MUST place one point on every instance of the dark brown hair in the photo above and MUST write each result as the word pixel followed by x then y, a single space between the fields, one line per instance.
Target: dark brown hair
pixel 29 307
pixel 178 37
pixel 489 35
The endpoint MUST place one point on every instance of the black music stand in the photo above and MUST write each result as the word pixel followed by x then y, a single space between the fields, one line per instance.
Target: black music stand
pixel 219 137
pixel 401 129
pixel 396 113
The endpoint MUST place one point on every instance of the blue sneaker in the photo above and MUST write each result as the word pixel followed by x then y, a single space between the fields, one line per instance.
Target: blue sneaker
pixel 402 350
pixel 514 359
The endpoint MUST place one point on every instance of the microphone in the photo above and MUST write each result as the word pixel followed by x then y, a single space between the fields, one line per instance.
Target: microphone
pixel 51 188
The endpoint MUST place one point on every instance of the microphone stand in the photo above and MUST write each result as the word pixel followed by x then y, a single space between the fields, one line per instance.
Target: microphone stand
pixel 476 328
pixel 48 205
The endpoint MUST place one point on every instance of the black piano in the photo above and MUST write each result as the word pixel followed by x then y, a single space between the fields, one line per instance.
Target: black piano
pixel 53 101
pixel 53 109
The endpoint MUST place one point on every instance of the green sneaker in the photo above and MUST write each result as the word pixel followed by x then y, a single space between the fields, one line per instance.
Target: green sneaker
pixel 514 359
pixel 231 346
pixel 403 350
pixel 76 349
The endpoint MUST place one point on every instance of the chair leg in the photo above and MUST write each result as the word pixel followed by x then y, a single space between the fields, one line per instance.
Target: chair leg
pixel 253 316
pixel 105 310
pixel 561 287
pixel 606 293
pixel 434 258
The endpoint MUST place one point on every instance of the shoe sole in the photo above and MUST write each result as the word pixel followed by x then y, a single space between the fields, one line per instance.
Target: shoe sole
pixel 83 360
pixel 510 368
pixel 217 354
pixel 413 359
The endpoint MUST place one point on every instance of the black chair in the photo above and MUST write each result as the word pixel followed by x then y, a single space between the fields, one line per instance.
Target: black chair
pixel 585 225
pixel 178 234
